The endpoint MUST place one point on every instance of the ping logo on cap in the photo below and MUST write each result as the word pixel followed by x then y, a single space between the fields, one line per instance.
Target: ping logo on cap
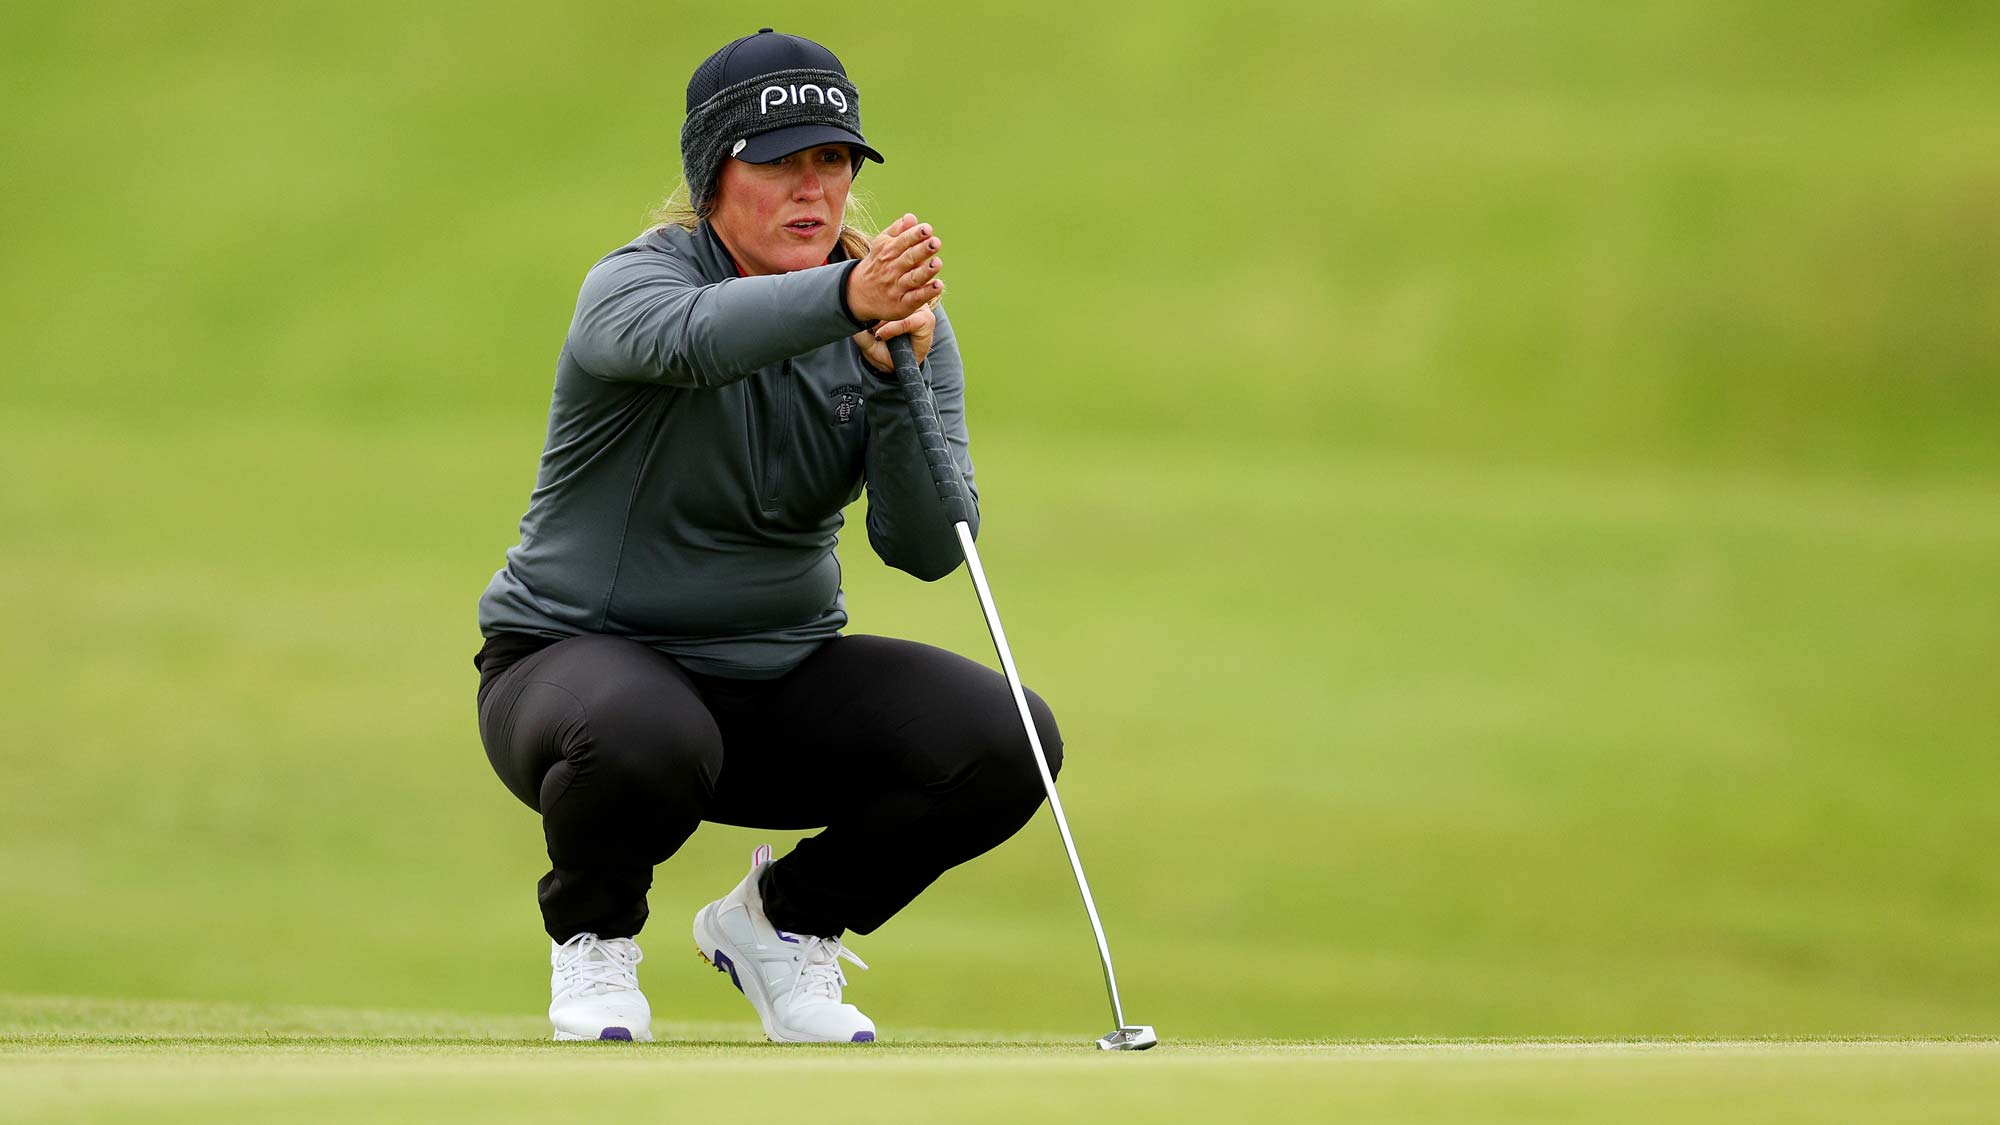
pixel 775 95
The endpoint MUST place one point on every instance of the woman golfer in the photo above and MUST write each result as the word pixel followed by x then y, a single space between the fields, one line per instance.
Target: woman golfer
pixel 664 645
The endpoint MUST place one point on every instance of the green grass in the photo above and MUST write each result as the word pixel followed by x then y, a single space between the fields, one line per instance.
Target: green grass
pixel 1466 750
pixel 69 1061
pixel 1712 231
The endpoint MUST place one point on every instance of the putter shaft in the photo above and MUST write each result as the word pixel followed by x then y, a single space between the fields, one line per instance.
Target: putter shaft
pixel 956 500
pixel 992 613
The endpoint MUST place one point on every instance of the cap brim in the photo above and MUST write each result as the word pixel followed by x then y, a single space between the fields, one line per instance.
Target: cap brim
pixel 779 143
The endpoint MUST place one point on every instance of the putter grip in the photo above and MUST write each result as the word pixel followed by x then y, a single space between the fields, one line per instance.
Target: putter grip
pixel 930 433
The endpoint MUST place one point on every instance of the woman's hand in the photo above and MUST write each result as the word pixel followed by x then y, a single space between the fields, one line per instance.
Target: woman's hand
pixel 874 343
pixel 899 273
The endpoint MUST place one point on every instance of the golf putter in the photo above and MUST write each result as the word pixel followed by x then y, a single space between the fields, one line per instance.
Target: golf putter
pixel 957 503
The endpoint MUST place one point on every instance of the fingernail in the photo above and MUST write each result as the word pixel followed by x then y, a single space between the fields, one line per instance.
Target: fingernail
pixel 926 229
pixel 934 243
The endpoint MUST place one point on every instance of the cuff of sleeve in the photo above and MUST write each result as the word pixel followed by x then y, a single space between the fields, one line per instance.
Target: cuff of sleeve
pixel 844 309
pixel 883 382
pixel 888 385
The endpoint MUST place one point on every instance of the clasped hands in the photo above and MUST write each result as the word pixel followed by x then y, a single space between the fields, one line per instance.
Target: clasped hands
pixel 895 285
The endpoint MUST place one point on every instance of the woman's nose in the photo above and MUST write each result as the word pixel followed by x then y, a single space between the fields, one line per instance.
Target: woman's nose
pixel 809 187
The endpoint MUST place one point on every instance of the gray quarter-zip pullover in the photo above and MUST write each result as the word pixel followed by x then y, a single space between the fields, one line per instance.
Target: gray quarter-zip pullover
pixel 705 432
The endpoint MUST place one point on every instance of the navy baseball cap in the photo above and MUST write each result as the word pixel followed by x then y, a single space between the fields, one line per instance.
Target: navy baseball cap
pixel 768 52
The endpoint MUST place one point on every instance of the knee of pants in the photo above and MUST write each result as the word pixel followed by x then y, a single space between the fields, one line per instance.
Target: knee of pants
pixel 1045 727
pixel 1007 759
pixel 633 751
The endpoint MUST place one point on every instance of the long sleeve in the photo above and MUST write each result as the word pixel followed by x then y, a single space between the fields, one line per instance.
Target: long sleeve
pixel 646 317
pixel 906 525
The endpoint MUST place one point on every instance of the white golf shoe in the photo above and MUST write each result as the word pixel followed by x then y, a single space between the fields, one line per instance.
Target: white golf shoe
pixel 594 990
pixel 792 980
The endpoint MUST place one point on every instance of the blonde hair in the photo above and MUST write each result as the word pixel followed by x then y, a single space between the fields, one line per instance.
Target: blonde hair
pixel 857 228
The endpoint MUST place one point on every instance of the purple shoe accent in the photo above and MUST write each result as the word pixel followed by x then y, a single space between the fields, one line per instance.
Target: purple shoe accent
pixel 616 1033
pixel 724 965
pixel 783 936
pixel 863 1037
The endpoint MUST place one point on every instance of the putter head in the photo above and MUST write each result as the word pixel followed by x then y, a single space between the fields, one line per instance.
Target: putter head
pixel 1129 1039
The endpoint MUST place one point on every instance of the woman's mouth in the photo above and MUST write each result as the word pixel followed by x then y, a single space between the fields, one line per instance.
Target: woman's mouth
pixel 805 226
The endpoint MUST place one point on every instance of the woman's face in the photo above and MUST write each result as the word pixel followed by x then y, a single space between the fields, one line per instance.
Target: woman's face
pixel 784 215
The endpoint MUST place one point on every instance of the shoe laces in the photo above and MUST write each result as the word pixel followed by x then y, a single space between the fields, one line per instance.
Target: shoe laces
pixel 590 964
pixel 819 974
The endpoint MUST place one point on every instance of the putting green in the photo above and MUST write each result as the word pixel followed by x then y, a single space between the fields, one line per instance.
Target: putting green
pixel 81 1061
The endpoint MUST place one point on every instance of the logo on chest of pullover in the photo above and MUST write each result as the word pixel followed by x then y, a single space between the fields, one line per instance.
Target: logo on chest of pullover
pixel 846 402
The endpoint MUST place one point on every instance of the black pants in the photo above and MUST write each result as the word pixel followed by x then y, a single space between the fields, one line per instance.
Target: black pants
pixel 913 758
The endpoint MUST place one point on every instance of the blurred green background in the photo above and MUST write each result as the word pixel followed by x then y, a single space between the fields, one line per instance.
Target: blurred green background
pixel 1504 499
